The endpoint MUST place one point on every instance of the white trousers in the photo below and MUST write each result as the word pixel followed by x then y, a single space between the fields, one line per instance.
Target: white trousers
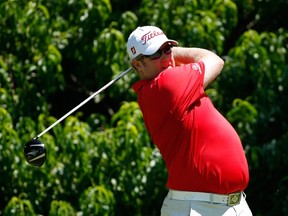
pixel 173 207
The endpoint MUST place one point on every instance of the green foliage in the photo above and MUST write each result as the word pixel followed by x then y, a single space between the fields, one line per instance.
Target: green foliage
pixel 245 115
pixel 260 62
pixel 96 171
pixel 256 74
pixel 29 56
pixel 17 206
pixel 192 22
pixel 10 145
pixel 97 201
pixel 102 161
pixel 61 208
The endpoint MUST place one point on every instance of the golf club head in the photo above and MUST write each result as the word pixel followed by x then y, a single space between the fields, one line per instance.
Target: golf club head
pixel 35 152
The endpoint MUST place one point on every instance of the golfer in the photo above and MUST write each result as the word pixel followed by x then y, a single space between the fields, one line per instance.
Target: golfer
pixel 206 163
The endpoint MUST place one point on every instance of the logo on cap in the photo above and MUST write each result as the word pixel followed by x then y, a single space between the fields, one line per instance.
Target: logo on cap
pixel 149 35
pixel 133 50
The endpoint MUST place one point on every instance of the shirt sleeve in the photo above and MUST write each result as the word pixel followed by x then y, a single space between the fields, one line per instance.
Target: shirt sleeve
pixel 182 87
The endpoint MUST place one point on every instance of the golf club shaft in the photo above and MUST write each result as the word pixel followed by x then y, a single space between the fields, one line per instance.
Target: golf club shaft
pixel 84 102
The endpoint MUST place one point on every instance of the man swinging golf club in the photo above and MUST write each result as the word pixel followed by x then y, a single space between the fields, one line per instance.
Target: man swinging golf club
pixel 206 163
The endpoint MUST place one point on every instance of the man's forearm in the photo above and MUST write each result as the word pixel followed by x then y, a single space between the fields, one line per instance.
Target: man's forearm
pixel 213 63
pixel 186 55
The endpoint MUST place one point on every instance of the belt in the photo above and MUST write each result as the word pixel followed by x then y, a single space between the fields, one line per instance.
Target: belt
pixel 229 200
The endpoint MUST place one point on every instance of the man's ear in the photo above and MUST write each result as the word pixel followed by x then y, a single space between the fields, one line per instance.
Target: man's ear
pixel 136 64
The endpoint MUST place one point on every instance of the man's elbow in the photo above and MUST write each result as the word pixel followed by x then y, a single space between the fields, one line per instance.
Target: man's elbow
pixel 220 64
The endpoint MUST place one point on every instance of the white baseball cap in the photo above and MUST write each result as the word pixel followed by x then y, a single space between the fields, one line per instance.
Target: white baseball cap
pixel 146 40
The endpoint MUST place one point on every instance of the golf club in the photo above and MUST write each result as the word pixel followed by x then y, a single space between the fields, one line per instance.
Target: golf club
pixel 35 151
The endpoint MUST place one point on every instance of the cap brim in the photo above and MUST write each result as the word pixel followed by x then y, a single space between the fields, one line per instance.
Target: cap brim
pixel 156 46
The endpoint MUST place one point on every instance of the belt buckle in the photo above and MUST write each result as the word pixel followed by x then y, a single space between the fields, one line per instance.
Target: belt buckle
pixel 234 199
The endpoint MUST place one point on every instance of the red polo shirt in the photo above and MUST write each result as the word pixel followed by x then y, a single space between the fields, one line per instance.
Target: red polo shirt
pixel 201 149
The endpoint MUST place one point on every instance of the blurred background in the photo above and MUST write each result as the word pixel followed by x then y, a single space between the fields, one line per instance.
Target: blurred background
pixel 100 160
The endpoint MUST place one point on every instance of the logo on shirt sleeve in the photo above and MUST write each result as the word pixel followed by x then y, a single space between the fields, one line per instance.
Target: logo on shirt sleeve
pixel 196 67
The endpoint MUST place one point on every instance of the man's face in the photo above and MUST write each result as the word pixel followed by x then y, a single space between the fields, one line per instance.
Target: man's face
pixel 149 67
